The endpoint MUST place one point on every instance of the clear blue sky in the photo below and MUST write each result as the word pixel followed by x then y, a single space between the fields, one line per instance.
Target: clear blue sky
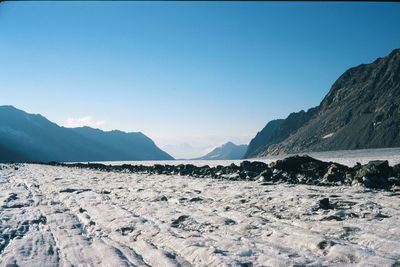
pixel 184 72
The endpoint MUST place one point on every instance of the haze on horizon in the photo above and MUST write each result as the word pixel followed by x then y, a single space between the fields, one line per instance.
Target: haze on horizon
pixel 191 76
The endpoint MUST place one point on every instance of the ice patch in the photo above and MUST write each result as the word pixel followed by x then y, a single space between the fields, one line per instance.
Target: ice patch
pixel 327 136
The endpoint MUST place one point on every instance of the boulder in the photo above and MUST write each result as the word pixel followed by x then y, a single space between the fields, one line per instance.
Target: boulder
pixel 300 164
pixel 335 173
pixel 396 170
pixel 324 204
pixel 255 166
pixel 265 176
pixel 374 174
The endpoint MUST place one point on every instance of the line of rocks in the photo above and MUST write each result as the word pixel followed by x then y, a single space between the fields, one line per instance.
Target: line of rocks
pixel 294 170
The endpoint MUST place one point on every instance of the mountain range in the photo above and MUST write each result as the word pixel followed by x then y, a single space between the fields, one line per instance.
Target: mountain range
pixel 227 151
pixel 361 110
pixel 28 137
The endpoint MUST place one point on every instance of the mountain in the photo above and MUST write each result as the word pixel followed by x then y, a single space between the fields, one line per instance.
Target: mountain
pixel 29 137
pixel 226 151
pixel 361 110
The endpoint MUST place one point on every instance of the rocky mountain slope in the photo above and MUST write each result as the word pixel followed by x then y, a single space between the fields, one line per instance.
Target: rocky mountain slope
pixel 226 151
pixel 360 111
pixel 29 137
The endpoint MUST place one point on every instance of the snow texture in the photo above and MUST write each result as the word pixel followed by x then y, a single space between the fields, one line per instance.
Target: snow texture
pixel 58 216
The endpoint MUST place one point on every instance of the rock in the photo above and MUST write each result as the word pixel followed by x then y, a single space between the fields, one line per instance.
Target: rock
pixel 175 223
pixel 332 218
pixel 229 222
pixel 72 190
pixel 161 198
pixel 375 182
pixel 374 174
pixel 253 167
pixel 250 175
pixel 232 177
pixel 247 252
pixel 196 199
pixel 335 173
pixel 159 169
pixel 375 167
pixel 396 170
pixel 187 169
pixel 394 181
pixel 125 230
pixel 292 170
pixel 265 176
pixel 242 175
pixel 324 204
pixel 300 164
pixel 325 244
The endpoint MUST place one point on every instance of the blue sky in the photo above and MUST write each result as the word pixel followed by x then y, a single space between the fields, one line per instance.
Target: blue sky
pixel 186 74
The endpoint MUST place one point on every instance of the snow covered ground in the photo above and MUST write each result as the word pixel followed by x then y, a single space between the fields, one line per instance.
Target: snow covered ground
pixel 345 157
pixel 58 216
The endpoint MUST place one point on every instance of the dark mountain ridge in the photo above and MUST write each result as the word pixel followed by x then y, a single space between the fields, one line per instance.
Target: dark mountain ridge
pixel 28 137
pixel 361 110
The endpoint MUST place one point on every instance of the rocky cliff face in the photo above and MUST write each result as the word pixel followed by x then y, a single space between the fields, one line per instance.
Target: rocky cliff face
pixel 360 111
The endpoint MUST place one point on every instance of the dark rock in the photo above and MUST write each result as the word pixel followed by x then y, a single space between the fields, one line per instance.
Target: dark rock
pixel 335 173
pixel 325 244
pixel 332 218
pixel 396 170
pixel 229 222
pixel 265 176
pixel 175 223
pixel 72 190
pixel 250 175
pixel 300 164
pixel 394 181
pixel 255 166
pixel 374 174
pixel 196 199
pixel 242 175
pixel 81 210
pixel 125 230
pixel 380 215
pixel 11 197
pixel 376 167
pixel 324 204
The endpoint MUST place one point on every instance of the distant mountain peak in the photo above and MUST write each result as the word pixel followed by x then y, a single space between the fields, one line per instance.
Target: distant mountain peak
pixel 227 151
